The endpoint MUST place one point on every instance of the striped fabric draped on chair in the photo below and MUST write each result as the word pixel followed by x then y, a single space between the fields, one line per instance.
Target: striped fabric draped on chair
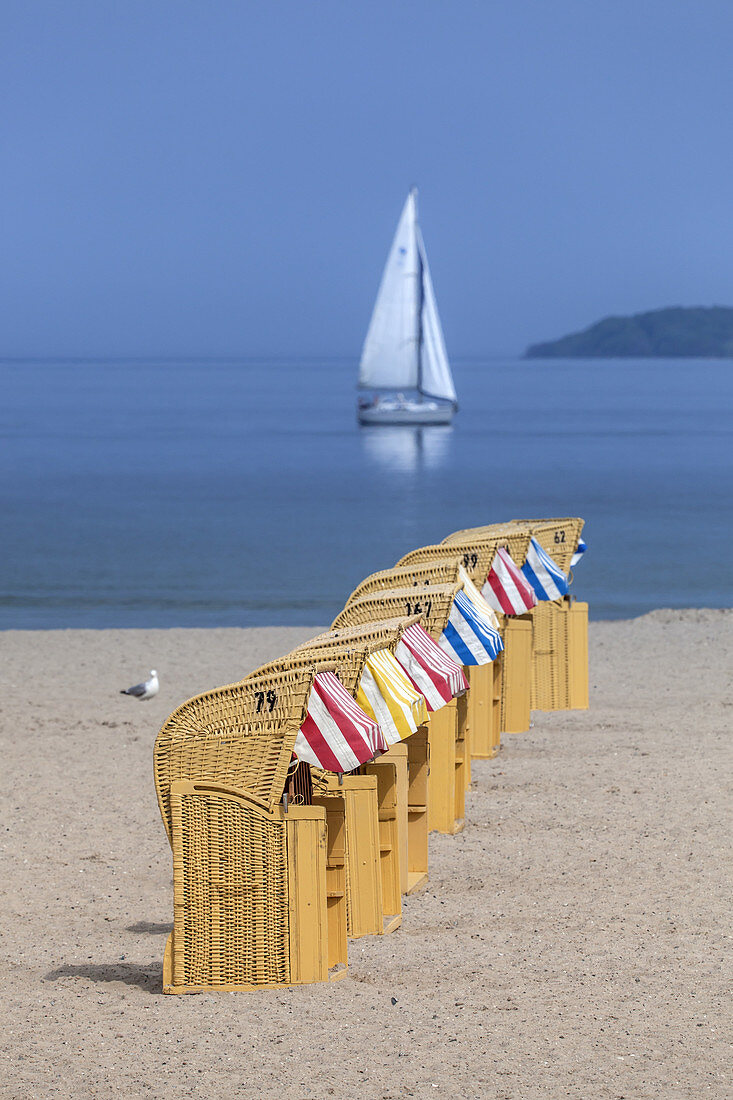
pixel 581 549
pixel 337 734
pixel 387 695
pixel 546 577
pixel 469 638
pixel 429 669
pixel 477 599
pixel 506 588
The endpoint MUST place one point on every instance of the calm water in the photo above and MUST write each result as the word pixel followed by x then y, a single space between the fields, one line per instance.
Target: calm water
pixel 241 493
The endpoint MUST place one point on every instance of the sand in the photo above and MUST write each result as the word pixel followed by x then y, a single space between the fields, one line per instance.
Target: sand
pixel 572 942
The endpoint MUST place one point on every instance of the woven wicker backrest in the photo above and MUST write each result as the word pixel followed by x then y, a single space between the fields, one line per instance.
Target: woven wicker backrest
pixel 476 554
pixel 476 560
pixel 515 539
pixel 431 601
pixel 443 570
pixel 346 663
pixel 559 537
pixel 470 534
pixel 241 735
pixel 382 634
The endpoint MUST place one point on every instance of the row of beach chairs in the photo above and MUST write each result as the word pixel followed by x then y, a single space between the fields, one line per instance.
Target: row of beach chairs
pixel 299 801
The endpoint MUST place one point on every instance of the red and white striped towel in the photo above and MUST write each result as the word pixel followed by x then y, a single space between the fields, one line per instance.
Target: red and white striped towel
pixel 431 670
pixel 337 734
pixel 506 588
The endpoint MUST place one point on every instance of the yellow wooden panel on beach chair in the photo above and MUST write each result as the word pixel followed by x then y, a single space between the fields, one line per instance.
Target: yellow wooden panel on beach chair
pixel 418 757
pixel 363 862
pixel 336 872
pixel 516 669
pixel 578 655
pixel 446 784
pixel 386 774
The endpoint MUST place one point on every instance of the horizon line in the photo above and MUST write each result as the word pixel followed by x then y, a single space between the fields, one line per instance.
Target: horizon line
pixel 244 358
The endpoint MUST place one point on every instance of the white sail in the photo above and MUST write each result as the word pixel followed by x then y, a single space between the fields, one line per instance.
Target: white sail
pixel 389 359
pixel 435 378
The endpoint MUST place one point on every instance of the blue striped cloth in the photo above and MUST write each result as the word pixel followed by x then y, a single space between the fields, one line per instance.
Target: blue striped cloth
pixel 468 637
pixel 578 553
pixel 547 578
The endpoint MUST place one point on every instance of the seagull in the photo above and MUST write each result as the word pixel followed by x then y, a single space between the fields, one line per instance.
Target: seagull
pixel 145 690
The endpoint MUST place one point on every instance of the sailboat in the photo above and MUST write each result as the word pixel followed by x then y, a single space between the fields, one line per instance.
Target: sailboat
pixel 404 361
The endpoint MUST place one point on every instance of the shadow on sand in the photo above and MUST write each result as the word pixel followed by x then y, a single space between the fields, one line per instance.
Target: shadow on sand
pixel 149 977
pixel 151 928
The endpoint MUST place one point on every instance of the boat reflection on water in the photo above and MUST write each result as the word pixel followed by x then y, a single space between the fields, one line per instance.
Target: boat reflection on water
pixel 406 449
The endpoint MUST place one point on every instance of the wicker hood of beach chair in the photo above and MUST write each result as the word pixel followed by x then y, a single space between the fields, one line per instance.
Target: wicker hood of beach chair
pixel 241 735
pixel 346 663
pixel 476 554
pixel 515 539
pixel 380 634
pixel 445 570
pixel 476 560
pixel 432 602
pixel 559 537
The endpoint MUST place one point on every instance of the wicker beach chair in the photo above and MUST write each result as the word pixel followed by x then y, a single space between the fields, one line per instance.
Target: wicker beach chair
pixel 560 655
pixel 407 802
pixel 520 668
pixel 560 628
pixel 347 663
pixel 448 728
pixel 249 878
pixel 374 799
pixel 506 700
pixel 483 722
pixel 559 537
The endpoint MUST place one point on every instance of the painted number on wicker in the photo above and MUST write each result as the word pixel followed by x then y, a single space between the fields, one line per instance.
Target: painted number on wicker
pixel 559 536
pixel 416 607
pixel 269 697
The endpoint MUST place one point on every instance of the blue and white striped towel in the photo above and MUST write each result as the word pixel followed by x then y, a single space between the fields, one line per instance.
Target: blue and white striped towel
pixel 578 553
pixel 469 637
pixel 547 578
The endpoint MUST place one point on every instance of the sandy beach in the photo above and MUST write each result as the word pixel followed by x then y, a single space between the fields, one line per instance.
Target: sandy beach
pixel 573 941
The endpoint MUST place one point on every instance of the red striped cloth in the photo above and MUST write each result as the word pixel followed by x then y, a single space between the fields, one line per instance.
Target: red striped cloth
pixel 506 588
pixel 431 670
pixel 337 734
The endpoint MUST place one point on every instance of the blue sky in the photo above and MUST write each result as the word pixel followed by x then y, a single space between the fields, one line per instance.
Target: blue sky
pixel 224 178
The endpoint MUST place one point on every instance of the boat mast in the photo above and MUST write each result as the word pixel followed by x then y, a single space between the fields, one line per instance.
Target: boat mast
pixel 419 302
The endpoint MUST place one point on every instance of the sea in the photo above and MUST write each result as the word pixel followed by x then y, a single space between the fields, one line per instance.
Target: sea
pixel 203 493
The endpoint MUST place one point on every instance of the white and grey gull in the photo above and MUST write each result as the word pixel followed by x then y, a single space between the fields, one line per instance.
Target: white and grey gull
pixel 146 690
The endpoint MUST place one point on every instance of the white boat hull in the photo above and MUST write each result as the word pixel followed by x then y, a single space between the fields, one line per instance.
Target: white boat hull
pixel 407 413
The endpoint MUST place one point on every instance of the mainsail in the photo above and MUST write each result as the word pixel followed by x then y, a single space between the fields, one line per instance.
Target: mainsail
pixel 435 378
pixel 404 347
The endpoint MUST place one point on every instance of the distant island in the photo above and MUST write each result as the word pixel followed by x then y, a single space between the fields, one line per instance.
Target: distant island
pixel 679 332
